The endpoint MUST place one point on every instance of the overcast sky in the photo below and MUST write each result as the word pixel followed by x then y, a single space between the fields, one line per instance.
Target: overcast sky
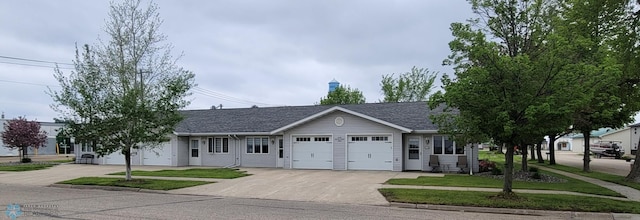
pixel 267 53
pixel 262 52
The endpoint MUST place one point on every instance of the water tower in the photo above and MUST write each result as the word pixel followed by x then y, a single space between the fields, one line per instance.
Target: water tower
pixel 333 85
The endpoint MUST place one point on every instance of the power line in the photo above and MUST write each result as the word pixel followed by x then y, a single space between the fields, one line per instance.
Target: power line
pixel 35 65
pixel 27 83
pixel 218 95
pixel 33 60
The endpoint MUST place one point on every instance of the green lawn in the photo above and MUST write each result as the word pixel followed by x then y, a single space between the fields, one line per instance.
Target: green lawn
pixel 154 184
pixel 556 202
pixel 573 185
pixel 596 175
pixel 24 167
pixel 217 173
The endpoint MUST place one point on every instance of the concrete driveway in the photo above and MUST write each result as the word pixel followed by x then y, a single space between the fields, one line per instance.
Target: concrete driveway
pixel 351 187
pixel 604 165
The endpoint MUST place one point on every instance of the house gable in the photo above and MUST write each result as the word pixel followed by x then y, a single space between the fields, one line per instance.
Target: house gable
pixel 338 109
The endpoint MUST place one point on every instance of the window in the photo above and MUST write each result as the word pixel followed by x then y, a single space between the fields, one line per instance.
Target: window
pixel 380 138
pixel 444 145
pixel 86 147
pixel 219 145
pixel 303 139
pixel 358 138
pixel 257 145
pixel 321 139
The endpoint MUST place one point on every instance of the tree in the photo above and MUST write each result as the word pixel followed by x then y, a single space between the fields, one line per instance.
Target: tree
pixel 633 64
pixel 605 45
pixel 20 133
pixel 125 93
pixel 343 95
pixel 408 87
pixel 507 68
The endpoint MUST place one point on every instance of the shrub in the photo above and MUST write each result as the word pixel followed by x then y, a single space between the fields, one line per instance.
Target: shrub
pixel 26 160
pixel 533 169
pixel 496 171
pixel 536 175
pixel 486 165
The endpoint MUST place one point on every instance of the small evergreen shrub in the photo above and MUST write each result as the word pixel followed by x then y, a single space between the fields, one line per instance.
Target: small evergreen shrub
pixel 26 160
pixel 536 175
pixel 533 169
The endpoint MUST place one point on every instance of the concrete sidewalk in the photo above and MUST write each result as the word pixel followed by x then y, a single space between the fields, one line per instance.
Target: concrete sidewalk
pixel 631 193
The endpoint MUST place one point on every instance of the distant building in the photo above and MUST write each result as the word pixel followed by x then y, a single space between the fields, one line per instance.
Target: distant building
pixel 49 148
pixel 575 142
pixel 333 85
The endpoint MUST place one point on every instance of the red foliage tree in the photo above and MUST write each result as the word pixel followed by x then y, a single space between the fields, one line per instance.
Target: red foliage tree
pixel 23 134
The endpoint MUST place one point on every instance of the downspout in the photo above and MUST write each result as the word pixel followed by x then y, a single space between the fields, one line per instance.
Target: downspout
pixel 236 161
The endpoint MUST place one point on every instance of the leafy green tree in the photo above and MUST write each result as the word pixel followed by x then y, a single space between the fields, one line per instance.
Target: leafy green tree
pixel 343 95
pixel 125 93
pixel 20 133
pixel 507 75
pixel 605 46
pixel 408 87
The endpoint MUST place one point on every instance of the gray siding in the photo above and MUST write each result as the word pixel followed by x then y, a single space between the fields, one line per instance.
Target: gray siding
pixel 257 160
pixel 220 159
pixel 353 125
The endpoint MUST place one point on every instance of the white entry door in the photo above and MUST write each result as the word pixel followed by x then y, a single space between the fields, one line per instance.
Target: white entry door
pixel 280 160
pixel 413 154
pixel 194 152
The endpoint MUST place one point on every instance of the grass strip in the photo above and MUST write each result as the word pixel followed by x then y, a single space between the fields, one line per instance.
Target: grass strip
pixel 596 175
pixel 24 167
pixel 154 184
pixel 217 173
pixel 557 202
pixel 457 180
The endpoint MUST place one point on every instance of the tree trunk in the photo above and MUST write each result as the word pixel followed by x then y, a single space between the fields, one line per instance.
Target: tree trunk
pixel 552 152
pixel 539 151
pixel 634 174
pixel 127 161
pixel 25 153
pixel 525 164
pixel 587 154
pixel 507 187
pixel 533 151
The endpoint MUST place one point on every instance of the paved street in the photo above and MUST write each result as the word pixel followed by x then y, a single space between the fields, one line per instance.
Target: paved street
pixel 60 203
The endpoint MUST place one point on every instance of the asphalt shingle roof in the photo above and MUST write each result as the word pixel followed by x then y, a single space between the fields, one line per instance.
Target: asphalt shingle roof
pixel 412 115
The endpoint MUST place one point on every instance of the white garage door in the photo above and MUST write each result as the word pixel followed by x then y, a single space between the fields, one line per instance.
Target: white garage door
pixel 370 152
pixel 115 158
pixel 312 152
pixel 159 156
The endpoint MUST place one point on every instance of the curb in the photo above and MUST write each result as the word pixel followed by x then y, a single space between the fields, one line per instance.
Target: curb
pixel 530 212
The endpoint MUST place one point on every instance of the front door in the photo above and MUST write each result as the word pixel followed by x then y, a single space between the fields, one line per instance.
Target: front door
pixel 280 162
pixel 413 154
pixel 194 152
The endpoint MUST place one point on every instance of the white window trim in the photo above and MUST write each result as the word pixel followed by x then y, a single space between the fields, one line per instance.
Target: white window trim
pixel 246 140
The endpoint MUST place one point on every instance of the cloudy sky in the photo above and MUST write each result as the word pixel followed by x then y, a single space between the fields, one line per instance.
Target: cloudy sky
pixel 267 53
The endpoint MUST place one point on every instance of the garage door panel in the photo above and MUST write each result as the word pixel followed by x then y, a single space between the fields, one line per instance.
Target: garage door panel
pixel 158 156
pixel 115 158
pixel 312 154
pixel 367 154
